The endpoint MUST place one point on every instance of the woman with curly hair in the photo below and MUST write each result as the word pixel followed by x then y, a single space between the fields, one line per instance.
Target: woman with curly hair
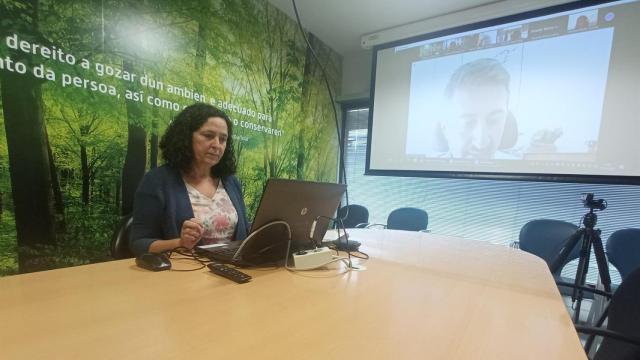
pixel 195 197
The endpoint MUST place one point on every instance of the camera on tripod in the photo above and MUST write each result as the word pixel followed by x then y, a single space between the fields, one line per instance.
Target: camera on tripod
pixel 589 202
pixel 589 237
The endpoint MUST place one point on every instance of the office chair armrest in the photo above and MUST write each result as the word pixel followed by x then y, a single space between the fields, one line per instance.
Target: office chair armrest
pixel 362 225
pixel 585 288
pixel 384 226
pixel 608 333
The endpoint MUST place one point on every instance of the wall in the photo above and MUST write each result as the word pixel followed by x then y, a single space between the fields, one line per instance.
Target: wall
pixel 88 88
pixel 356 75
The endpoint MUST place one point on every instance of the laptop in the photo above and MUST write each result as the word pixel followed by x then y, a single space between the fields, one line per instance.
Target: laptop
pixel 299 204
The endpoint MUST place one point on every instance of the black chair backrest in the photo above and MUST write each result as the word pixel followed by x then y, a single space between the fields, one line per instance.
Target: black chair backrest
pixel 408 218
pixel 120 239
pixel 545 238
pixel 624 318
pixel 357 214
pixel 623 250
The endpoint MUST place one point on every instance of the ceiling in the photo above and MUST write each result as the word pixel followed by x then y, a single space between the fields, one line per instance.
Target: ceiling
pixel 342 23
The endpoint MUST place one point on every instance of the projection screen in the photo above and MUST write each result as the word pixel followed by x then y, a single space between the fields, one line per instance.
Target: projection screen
pixel 547 95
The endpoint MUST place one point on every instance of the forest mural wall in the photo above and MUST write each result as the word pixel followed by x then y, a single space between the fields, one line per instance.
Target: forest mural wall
pixel 88 87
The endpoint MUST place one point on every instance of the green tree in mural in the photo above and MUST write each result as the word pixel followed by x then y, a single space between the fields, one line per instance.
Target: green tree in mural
pixel 203 19
pixel 55 186
pixel 308 76
pixel 26 137
pixel 27 23
pixel 316 115
pixel 136 159
pixel 86 129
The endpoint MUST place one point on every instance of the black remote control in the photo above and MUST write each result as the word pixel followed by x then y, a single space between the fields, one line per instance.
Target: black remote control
pixel 229 272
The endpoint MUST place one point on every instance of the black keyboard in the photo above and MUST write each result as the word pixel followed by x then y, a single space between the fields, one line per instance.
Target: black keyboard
pixel 221 254
pixel 225 251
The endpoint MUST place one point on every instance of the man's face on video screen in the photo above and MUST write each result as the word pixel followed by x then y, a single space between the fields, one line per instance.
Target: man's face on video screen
pixel 476 122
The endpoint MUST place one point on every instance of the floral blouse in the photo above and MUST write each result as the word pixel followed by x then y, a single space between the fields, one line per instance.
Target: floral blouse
pixel 218 215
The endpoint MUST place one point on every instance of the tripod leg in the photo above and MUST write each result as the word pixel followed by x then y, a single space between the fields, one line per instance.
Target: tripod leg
pixel 601 260
pixel 560 260
pixel 583 264
pixel 581 274
pixel 589 342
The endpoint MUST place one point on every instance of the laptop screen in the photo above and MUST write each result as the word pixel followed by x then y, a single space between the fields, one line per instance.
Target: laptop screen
pixel 299 203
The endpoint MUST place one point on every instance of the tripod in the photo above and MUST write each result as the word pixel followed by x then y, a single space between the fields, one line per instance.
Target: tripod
pixel 590 237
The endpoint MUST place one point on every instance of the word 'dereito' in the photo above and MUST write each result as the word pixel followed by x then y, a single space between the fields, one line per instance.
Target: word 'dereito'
pixel 52 52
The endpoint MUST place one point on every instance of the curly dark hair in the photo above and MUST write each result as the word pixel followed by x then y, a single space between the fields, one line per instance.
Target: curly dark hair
pixel 177 142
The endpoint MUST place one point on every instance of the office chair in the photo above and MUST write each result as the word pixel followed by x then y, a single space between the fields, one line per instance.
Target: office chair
pixel 408 218
pixel 357 216
pixel 621 338
pixel 545 238
pixel 623 250
pixel 120 239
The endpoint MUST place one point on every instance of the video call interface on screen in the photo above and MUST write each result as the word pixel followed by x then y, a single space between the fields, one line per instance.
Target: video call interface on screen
pixel 554 94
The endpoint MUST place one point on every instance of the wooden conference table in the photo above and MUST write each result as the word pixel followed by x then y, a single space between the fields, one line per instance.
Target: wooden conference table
pixel 420 296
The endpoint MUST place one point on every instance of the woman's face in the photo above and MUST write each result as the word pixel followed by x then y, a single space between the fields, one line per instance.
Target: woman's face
pixel 209 142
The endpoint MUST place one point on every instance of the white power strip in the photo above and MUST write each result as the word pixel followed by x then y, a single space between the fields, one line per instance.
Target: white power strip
pixel 311 259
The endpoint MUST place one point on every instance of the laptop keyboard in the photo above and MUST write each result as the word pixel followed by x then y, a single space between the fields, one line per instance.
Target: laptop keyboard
pixel 224 251
pixel 220 254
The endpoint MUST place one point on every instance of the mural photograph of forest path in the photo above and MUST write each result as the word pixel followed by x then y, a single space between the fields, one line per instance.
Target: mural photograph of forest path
pixel 87 89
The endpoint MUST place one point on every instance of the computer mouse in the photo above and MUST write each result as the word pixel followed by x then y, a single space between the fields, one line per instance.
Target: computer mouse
pixel 153 262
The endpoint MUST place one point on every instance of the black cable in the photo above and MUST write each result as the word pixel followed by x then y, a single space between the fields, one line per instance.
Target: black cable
pixel 333 105
pixel 346 239
pixel 356 254
pixel 187 256
pixel 185 270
